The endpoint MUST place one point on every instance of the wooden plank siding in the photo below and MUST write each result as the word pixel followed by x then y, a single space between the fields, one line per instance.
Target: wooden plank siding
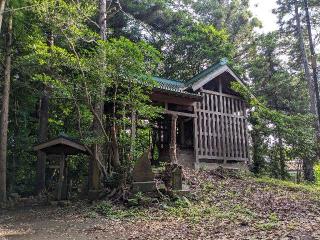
pixel 221 135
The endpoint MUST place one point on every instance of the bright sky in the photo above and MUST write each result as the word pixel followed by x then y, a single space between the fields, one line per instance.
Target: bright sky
pixel 263 10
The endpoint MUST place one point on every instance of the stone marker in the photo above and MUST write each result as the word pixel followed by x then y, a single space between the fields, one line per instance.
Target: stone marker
pixel 177 177
pixel 143 177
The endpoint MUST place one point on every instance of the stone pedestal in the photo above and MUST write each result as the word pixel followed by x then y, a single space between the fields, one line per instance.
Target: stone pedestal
pixel 143 187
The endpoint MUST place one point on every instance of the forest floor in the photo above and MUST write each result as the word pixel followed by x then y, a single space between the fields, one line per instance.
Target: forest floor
pixel 219 207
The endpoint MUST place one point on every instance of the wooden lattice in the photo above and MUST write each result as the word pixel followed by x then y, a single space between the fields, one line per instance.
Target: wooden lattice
pixel 221 129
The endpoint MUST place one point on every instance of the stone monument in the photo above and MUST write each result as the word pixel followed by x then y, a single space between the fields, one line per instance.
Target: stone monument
pixel 143 177
pixel 177 177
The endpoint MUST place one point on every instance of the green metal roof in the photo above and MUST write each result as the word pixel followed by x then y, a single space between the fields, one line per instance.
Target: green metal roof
pixel 207 71
pixel 174 87
pixel 179 87
pixel 169 84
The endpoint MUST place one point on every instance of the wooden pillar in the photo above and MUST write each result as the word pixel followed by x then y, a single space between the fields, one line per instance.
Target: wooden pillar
pixel 61 176
pixel 173 142
pixel 223 129
pixel 196 137
pixel 182 133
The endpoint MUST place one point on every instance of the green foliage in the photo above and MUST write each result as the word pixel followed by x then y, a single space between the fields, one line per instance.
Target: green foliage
pixel 104 208
pixel 147 38
pixel 317 173
pixel 271 223
pixel 305 187
pixel 195 46
pixel 297 140
pixel 141 200
pixel 282 128
pixel 108 210
pixel 72 69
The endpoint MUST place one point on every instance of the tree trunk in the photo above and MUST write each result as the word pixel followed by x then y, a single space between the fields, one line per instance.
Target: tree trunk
pixel 307 163
pixel 2 7
pixel 5 114
pixel 305 61
pixel 43 136
pixel 133 133
pixel 308 170
pixel 282 159
pixel 43 132
pixel 115 147
pixel 313 60
pixel 103 19
pixel 97 149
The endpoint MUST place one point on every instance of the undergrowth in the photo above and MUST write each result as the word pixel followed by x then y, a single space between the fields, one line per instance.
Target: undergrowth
pixel 311 188
pixel 211 200
pixel 109 210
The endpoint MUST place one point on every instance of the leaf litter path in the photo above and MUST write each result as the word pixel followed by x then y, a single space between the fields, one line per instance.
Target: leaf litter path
pixel 219 207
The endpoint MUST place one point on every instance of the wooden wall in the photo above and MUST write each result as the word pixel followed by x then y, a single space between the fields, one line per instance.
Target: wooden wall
pixel 220 129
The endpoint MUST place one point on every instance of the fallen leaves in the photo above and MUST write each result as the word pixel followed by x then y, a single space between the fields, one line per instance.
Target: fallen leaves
pixel 219 207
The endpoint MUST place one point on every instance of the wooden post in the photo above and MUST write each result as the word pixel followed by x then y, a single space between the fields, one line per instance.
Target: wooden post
pixel 195 130
pixel 223 130
pixel 61 176
pixel 173 142
pixel 182 135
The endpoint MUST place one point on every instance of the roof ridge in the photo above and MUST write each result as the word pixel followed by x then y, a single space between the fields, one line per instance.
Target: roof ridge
pixel 169 79
pixel 221 63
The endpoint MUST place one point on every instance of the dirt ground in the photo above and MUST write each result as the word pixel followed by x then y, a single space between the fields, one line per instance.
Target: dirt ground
pixel 220 208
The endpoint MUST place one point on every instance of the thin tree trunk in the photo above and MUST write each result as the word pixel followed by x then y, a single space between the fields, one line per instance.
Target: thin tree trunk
pixel 43 136
pixel 305 61
pixel 5 114
pixel 94 171
pixel 115 146
pixel 308 170
pixel 43 132
pixel 14 160
pixel 282 158
pixel 133 133
pixel 2 8
pixel 313 60
pixel 307 163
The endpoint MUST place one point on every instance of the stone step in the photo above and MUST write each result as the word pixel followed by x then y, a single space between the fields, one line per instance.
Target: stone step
pixel 213 166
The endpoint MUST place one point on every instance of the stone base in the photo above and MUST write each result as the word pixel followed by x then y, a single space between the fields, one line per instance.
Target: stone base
pixel 229 166
pixel 143 187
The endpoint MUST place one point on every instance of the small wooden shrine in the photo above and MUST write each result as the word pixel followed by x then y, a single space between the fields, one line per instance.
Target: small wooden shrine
pixel 62 146
pixel 204 123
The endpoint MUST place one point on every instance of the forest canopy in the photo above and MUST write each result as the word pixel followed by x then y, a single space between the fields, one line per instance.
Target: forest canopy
pixel 85 69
